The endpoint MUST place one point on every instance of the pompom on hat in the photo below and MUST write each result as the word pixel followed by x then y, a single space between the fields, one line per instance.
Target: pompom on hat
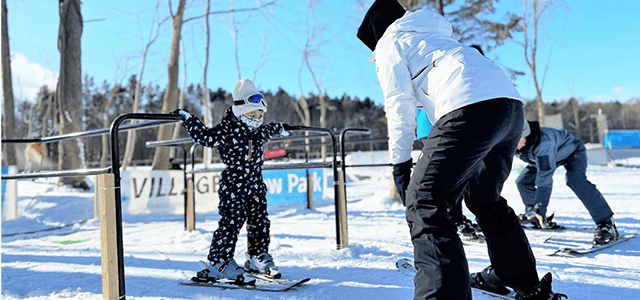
pixel 244 89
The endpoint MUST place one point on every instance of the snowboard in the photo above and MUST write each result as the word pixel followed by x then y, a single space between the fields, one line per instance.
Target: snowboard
pixel 255 284
pixel 406 267
pixel 579 248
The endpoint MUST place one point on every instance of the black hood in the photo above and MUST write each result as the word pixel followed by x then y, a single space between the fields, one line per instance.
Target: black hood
pixel 379 16
pixel 534 137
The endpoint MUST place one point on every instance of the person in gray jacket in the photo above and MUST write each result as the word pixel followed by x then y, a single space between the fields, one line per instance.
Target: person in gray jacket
pixel 544 149
pixel 477 117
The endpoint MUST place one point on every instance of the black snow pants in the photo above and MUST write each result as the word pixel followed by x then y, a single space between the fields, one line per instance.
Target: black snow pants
pixel 468 155
pixel 233 214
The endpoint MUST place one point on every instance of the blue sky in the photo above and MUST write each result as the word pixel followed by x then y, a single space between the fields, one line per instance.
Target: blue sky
pixel 592 47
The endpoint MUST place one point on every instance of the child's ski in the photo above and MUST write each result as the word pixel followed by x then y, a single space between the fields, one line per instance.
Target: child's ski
pixel 274 285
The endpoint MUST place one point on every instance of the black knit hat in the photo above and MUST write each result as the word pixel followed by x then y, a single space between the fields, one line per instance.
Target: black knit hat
pixel 379 16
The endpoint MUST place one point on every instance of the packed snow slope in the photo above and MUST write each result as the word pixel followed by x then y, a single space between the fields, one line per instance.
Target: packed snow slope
pixel 53 250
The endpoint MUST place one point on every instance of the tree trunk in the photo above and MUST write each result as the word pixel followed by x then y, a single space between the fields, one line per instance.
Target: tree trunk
pixel 575 109
pixel 69 93
pixel 8 127
pixel 323 123
pixel 131 138
pixel 531 47
pixel 106 122
pixel 176 129
pixel 170 98
pixel 206 153
pixel 541 112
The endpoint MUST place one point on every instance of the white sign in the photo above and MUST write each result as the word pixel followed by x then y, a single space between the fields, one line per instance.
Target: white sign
pixel 145 192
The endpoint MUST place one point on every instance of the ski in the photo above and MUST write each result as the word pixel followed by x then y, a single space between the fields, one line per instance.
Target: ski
pixel 578 251
pixel 406 267
pixel 263 276
pixel 473 239
pixel 559 228
pixel 272 285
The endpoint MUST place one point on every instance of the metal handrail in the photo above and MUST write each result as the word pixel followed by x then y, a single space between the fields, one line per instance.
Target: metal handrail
pixel 55 138
pixel 177 143
pixel 115 168
pixel 342 152
pixel 70 173
pixel 88 133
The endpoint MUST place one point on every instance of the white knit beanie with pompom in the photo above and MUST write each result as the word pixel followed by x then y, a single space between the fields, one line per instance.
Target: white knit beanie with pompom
pixel 243 89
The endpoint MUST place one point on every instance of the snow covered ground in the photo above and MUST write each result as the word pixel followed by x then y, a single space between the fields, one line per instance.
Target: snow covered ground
pixel 39 262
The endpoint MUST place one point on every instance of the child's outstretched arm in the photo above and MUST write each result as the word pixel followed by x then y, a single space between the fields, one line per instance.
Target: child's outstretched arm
pixel 271 129
pixel 200 133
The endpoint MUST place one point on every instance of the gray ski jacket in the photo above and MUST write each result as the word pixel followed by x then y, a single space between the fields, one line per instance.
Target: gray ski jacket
pixel 547 150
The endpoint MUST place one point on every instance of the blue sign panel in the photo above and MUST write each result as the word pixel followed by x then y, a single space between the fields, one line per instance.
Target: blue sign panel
pixel 290 186
pixel 622 139
pixel 5 171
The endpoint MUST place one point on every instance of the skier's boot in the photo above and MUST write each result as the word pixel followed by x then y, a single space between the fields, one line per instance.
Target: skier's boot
pixel 469 230
pixel 538 221
pixel 488 280
pixel 226 270
pixel 606 232
pixel 542 291
pixel 262 264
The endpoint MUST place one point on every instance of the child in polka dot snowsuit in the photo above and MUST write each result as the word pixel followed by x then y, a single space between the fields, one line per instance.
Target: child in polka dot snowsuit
pixel 240 140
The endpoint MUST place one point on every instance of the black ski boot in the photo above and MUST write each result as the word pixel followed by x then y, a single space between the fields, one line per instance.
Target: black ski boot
pixel 542 291
pixel 469 230
pixel 605 233
pixel 539 221
pixel 488 280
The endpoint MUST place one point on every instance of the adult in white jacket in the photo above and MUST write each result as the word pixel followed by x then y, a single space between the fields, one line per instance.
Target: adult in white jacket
pixel 478 119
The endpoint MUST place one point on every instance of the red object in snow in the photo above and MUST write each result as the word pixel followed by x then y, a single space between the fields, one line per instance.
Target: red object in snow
pixel 275 153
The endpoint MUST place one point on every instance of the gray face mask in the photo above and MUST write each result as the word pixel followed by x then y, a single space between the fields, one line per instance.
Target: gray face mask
pixel 253 124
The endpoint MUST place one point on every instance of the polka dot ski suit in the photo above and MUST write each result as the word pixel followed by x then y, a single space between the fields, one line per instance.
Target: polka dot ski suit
pixel 242 190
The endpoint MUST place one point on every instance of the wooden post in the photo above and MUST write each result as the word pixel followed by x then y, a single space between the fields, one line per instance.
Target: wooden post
pixel 10 207
pixel 108 239
pixel 309 190
pixel 393 190
pixel 96 197
pixel 341 213
pixel 191 207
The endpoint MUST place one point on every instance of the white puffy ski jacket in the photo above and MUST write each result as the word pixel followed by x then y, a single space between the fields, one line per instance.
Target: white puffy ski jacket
pixel 420 65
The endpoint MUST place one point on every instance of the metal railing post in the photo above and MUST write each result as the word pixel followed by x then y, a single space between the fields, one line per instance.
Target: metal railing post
pixel 115 169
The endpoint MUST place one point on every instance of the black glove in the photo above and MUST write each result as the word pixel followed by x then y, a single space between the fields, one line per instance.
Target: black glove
pixel 185 114
pixel 286 126
pixel 402 176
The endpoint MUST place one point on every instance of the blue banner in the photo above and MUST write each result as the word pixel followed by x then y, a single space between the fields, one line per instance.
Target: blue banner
pixel 622 139
pixel 5 171
pixel 290 186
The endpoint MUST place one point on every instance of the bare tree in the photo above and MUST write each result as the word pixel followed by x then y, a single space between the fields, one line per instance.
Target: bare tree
pixel 473 20
pixel 176 129
pixel 235 29
pixel 131 137
pixel 207 153
pixel 170 98
pixel 234 35
pixel 69 91
pixel 309 49
pixel 532 13
pixel 8 127
pixel 116 91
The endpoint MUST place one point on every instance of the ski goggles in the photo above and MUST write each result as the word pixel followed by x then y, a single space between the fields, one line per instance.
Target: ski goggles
pixel 253 99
